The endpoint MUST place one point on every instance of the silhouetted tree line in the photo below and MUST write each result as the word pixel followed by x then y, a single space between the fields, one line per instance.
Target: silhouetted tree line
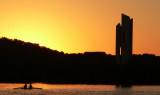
pixel 24 62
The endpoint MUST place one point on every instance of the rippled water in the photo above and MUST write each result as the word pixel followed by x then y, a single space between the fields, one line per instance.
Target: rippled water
pixel 52 89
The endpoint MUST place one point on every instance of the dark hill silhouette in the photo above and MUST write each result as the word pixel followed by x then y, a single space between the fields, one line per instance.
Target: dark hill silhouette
pixel 24 61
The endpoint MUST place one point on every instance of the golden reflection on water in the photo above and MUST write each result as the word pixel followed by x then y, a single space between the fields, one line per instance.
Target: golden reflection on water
pixel 61 86
pixel 80 89
pixel 76 86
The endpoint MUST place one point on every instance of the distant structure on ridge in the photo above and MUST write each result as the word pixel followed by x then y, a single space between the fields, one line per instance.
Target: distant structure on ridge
pixel 124 35
pixel 95 53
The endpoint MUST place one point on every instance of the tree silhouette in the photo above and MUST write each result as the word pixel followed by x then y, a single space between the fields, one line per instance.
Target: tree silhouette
pixel 24 62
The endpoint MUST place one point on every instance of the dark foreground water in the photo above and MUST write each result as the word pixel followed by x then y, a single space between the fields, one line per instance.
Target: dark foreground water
pixel 52 89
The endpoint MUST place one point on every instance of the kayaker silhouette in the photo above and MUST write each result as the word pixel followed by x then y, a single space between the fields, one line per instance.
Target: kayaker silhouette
pixel 25 86
pixel 30 86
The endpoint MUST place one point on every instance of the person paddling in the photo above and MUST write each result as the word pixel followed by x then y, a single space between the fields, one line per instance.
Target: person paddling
pixel 30 86
pixel 25 86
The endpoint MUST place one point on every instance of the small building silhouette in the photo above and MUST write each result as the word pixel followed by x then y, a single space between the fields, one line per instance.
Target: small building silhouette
pixel 124 33
pixel 95 53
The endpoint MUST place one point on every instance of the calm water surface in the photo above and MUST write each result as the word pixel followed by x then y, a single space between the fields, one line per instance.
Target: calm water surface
pixel 52 89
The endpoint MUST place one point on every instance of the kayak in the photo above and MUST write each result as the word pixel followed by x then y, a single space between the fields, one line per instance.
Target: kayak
pixel 27 88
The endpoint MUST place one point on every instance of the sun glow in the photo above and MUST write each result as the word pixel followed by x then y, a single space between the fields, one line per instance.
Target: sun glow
pixel 75 26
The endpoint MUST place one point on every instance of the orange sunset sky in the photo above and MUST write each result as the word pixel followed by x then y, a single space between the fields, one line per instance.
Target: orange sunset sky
pixel 75 26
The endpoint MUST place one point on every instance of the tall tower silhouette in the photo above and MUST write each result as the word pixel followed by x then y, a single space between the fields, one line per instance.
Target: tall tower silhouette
pixel 124 35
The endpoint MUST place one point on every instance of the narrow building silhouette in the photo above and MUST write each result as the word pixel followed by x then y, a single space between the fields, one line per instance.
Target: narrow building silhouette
pixel 124 35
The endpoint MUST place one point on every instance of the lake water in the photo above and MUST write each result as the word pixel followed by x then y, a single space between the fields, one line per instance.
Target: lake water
pixel 52 89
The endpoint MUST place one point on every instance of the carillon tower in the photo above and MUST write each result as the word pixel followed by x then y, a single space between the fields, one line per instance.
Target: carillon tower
pixel 124 36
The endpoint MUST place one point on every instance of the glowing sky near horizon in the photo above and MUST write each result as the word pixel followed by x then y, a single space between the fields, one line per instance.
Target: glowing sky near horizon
pixel 76 26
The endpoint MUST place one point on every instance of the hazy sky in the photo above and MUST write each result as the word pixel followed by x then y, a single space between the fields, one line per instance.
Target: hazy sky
pixel 75 26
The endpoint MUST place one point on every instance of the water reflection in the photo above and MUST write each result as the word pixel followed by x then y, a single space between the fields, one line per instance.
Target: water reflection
pixel 123 86
pixel 57 89
pixel 76 86
pixel 122 90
